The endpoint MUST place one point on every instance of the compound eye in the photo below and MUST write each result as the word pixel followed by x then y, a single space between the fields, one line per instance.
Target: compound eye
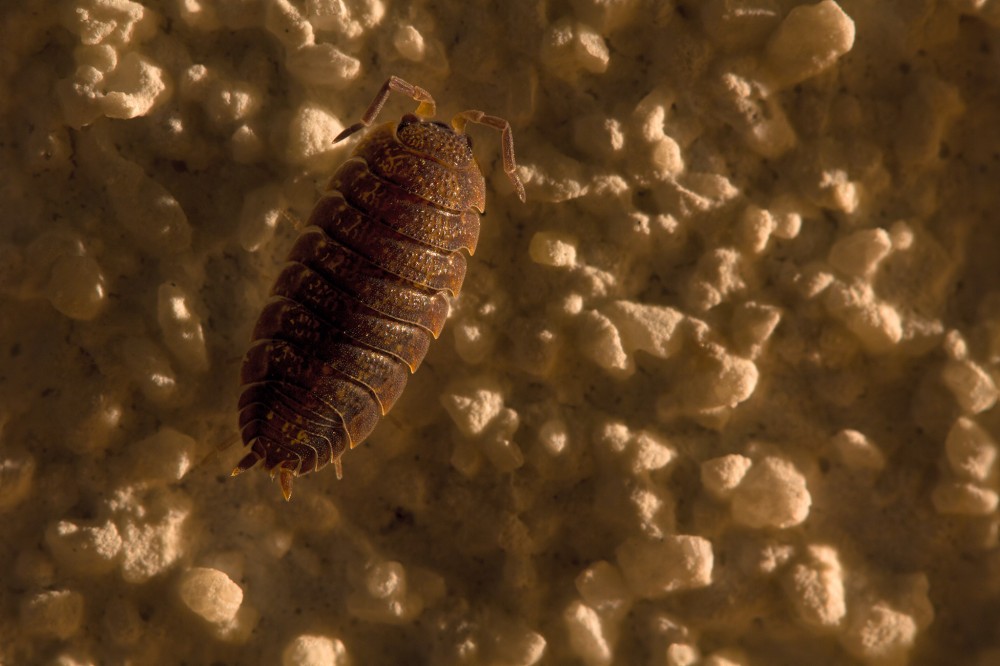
pixel 408 119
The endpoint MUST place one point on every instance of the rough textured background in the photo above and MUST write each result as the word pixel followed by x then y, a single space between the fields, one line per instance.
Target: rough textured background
pixel 722 392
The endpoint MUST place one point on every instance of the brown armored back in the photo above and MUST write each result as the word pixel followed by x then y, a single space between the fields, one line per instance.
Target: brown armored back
pixel 366 287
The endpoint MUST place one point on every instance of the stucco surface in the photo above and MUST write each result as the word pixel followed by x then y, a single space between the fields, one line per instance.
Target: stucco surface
pixel 721 392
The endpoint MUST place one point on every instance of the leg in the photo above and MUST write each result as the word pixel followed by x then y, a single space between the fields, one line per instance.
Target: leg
pixel 394 84
pixel 506 141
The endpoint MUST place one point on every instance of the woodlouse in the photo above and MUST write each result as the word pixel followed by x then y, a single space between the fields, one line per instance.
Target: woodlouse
pixel 365 287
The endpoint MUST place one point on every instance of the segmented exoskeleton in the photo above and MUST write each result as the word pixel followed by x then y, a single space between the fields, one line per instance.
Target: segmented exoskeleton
pixel 365 288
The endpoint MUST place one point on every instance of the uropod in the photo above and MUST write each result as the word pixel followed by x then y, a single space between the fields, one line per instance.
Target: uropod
pixel 365 287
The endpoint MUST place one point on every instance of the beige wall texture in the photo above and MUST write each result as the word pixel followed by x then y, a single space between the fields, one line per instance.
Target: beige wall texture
pixel 722 392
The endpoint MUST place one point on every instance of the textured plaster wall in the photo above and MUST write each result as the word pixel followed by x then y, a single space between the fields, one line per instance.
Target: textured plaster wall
pixel 721 392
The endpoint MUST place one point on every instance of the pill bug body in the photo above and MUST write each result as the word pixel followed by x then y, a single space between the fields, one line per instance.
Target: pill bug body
pixel 364 289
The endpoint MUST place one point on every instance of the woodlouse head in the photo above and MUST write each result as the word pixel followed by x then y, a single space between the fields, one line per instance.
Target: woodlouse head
pixel 436 140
